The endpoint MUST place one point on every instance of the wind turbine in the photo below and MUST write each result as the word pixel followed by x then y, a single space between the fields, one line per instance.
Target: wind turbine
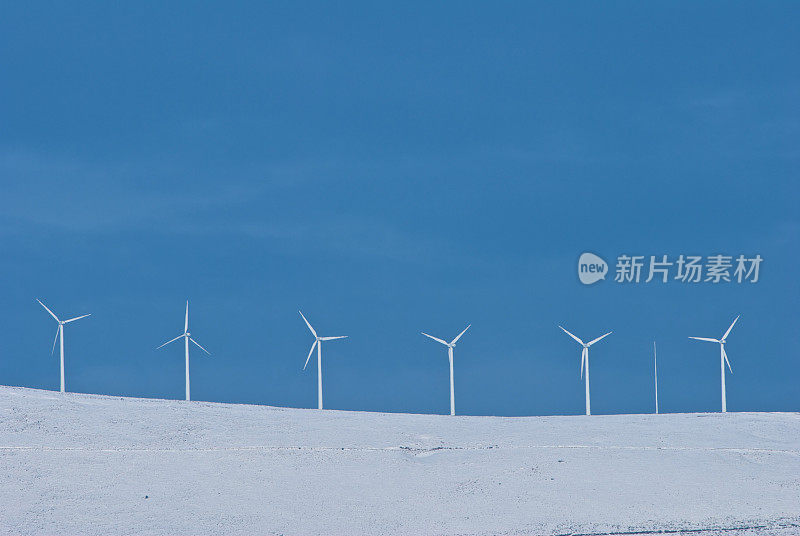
pixel 585 358
pixel 60 331
pixel 186 336
pixel 723 358
pixel 655 371
pixel 318 343
pixel 450 345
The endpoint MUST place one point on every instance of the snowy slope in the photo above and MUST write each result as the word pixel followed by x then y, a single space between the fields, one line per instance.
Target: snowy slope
pixel 88 464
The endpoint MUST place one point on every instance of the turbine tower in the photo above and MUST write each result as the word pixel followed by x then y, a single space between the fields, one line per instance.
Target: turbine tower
pixel 655 371
pixel 318 343
pixel 723 359
pixel 186 336
pixel 60 332
pixel 450 345
pixel 585 358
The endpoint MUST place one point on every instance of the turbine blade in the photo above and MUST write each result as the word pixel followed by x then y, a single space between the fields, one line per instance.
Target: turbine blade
pixel 730 328
pixel 48 310
pixel 599 338
pixel 186 322
pixel 725 355
pixel 198 345
pixel 571 335
pixel 435 338
pixel 583 358
pixel 308 324
pixel 333 338
pixel 460 334
pixel 169 341
pixel 310 352
pixel 76 318
pixel 704 339
pixel 55 340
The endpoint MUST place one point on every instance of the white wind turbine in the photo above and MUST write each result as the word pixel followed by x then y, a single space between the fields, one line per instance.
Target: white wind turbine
pixel 60 331
pixel 186 336
pixel 450 345
pixel 723 358
pixel 585 358
pixel 318 343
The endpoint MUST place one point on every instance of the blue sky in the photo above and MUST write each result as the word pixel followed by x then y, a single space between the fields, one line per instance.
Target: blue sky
pixel 397 168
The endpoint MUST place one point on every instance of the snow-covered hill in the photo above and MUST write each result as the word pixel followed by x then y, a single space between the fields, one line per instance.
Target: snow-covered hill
pixel 88 464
